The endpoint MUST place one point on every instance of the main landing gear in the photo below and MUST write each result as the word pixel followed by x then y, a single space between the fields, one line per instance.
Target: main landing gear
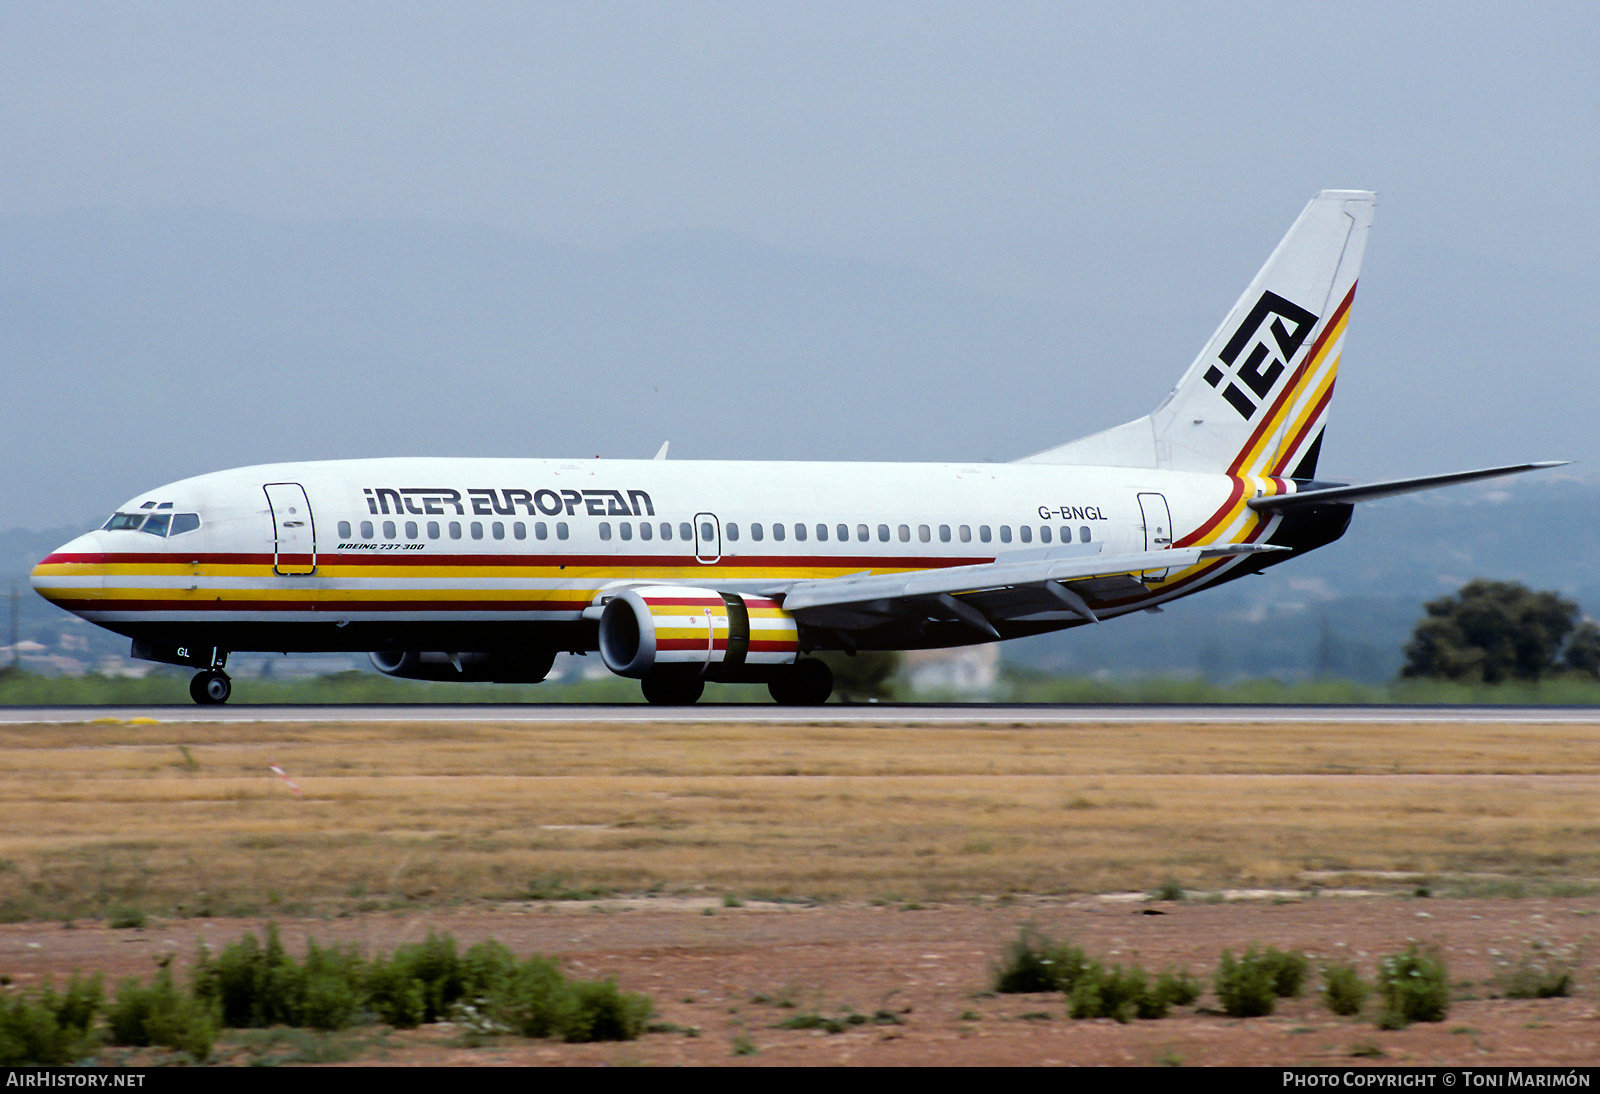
pixel 210 687
pixel 806 683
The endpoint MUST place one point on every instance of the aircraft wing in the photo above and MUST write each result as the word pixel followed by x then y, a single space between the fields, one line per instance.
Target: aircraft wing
pixel 978 595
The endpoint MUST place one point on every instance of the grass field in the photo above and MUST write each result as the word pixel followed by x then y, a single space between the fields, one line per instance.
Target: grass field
pixel 130 819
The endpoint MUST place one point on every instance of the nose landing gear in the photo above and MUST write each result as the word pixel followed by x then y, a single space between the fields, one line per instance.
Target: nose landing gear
pixel 210 687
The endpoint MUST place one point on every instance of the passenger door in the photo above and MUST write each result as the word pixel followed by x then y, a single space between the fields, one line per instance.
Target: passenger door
pixel 294 534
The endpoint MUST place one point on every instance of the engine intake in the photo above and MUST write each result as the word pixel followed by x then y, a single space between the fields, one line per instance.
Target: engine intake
pixel 721 635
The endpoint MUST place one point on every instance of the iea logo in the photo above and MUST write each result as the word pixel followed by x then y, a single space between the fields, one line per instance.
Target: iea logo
pixel 1264 363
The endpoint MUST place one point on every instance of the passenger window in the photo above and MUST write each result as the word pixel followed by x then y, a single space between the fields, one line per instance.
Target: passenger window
pixel 1044 534
pixel 708 534
pixel 477 529
pixel 966 533
pixel 455 529
pixel 844 533
pixel 188 522
pixel 777 533
pixel 1005 533
pixel 756 532
pixel 1066 535
pixel 433 529
pixel 541 530
pixel 366 529
pixel 411 529
pixel 983 532
pixel 1026 533
pixel 822 533
pixel 605 529
pixel 685 531
pixel 800 531
pixel 1083 534
pixel 519 530
pixel 626 528
pixel 344 529
pixel 388 529
pixel 561 529
pixel 924 533
pixel 497 530
pixel 883 533
pixel 905 533
pixel 666 530
pixel 731 530
pixel 944 533
pixel 644 529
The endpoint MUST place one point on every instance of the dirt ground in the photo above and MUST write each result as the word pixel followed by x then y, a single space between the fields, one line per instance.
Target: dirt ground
pixel 723 979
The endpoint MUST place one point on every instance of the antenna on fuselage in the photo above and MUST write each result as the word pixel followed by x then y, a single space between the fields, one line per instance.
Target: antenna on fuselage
pixel 661 453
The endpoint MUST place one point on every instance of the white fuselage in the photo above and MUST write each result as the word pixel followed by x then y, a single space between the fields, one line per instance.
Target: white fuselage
pixel 498 547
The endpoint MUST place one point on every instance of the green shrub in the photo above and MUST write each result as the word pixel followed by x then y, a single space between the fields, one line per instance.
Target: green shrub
pixel 45 1028
pixel 1414 987
pixel 1179 989
pixel 1246 987
pixel 1539 974
pixel 1289 971
pixel 1343 990
pixel 1035 963
pixel 158 1013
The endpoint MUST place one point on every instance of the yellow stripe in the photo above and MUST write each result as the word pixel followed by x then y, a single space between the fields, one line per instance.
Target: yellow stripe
pixel 1271 436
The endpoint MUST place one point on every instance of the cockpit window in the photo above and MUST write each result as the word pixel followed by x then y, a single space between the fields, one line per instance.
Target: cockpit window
pixel 155 524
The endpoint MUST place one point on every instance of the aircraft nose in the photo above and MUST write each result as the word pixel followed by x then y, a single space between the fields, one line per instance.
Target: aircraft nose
pixel 72 575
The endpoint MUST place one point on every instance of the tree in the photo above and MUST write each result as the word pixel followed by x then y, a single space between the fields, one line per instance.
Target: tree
pixel 1491 631
pixel 1583 650
pixel 866 675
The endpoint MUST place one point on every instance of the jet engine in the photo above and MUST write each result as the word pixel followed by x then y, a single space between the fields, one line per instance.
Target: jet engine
pixel 527 666
pixel 720 636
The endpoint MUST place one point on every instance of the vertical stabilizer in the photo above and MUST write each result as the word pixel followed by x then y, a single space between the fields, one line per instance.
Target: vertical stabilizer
pixel 1255 401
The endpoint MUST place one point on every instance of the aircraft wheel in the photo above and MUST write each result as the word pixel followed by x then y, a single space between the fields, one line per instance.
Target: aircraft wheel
pixel 808 684
pixel 210 688
pixel 673 691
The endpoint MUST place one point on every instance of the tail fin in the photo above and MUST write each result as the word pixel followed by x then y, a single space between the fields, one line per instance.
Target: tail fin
pixel 1254 402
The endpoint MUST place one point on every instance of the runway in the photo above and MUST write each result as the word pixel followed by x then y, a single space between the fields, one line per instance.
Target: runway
pixel 856 714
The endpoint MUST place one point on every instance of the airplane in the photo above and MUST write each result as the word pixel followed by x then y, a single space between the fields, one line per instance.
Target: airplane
pixel 680 572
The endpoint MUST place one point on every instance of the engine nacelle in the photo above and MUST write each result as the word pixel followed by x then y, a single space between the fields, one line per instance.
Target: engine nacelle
pixel 716 635
pixel 496 666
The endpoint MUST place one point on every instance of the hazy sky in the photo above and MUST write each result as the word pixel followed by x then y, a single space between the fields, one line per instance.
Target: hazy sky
pixel 1073 154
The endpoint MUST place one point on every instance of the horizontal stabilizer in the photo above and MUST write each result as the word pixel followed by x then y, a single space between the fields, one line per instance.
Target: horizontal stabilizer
pixel 1347 495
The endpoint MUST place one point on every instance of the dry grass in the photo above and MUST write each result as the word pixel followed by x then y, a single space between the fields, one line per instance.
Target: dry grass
pixel 187 819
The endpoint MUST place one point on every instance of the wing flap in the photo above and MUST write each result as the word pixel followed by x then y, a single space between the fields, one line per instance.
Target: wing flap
pixel 978 594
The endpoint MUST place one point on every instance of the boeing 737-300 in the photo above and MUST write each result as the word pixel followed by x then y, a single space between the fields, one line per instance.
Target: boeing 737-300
pixel 679 572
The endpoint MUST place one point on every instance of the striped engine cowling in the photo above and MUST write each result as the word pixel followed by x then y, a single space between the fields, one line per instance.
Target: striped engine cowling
pixel 672 625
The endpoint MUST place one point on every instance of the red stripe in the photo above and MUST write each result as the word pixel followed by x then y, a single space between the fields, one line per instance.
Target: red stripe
pixel 420 558
pixel 1305 363
pixel 1289 450
pixel 321 606
pixel 1216 518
